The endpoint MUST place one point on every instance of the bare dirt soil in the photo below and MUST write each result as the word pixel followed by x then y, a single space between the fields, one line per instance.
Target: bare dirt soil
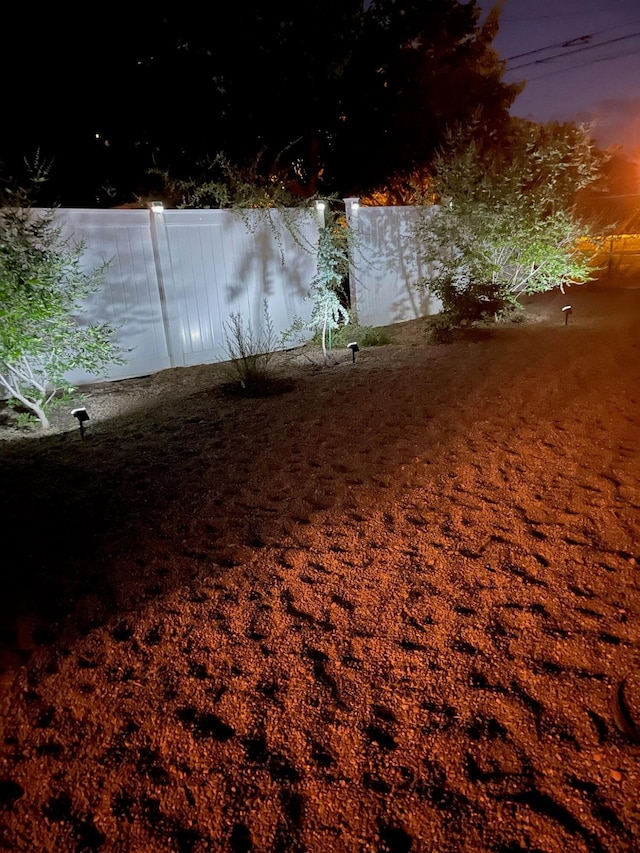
pixel 394 608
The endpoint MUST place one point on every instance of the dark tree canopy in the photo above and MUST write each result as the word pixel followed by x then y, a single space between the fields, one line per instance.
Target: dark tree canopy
pixel 424 66
pixel 332 96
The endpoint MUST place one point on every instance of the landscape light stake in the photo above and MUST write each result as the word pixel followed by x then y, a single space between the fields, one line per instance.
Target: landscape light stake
pixel 83 416
pixel 566 311
pixel 354 349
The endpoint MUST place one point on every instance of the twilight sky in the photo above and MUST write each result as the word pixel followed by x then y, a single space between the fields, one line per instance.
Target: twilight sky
pixel 582 63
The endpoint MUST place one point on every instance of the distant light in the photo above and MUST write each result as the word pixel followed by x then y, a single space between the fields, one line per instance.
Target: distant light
pixel 156 207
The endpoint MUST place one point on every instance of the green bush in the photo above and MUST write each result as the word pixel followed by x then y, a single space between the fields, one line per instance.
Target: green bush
pixel 441 329
pixel 43 283
pixel 469 304
pixel 506 223
pixel 364 336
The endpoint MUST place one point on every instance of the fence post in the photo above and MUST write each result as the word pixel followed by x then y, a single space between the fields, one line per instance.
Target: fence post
pixel 351 208
pixel 320 208
pixel 168 302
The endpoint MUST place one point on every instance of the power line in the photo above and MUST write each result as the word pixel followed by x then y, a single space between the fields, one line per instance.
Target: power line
pixel 549 47
pixel 567 42
pixel 577 50
pixel 566 68
pixel 507 19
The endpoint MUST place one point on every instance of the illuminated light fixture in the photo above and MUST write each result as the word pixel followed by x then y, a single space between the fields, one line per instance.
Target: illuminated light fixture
pixel 156 207
pixel 320 205
pixel 352 204
pixel 83 416
pixel 354 349
pixel 566 311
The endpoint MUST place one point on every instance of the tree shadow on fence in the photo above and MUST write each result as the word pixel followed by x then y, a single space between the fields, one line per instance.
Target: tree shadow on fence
pixel 388 268
pixel 276 265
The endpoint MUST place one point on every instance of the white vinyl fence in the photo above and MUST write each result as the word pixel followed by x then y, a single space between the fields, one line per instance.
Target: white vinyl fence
pixel 175 277
pixel 387 266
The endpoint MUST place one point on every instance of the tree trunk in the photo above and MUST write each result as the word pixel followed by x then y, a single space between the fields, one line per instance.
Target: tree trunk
pixel 324 335
pixel 40 414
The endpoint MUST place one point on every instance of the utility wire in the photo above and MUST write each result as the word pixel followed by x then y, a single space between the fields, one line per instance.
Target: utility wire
pixel 569 42
pixel 577 50
pixel 581 65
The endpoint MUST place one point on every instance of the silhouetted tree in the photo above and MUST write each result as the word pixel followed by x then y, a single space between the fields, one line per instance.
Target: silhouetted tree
pixel 420 69
pixel 331 95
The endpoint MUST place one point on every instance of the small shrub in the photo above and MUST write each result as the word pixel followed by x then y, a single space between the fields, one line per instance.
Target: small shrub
pixel 510 314
pixel 43 284
pixel 364 336
pixel 250 353
pixel 466 305
pixel 441 329
pixel 26 420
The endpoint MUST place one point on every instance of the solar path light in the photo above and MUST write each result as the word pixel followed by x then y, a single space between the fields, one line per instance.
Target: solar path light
pixel 83 416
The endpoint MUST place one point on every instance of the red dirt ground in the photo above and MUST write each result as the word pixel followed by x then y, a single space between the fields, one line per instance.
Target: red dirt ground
pixel 396 608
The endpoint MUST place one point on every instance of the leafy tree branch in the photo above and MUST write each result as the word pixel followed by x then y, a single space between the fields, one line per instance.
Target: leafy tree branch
pixel 506 223
pixel 42 286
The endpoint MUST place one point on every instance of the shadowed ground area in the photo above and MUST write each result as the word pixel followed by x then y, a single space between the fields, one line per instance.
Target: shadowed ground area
pixel 396 608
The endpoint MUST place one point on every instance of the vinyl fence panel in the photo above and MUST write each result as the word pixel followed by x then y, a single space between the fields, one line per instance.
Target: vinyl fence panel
pixel 129 299
pixel 174 279
pixel 223 264
pixel 387 266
